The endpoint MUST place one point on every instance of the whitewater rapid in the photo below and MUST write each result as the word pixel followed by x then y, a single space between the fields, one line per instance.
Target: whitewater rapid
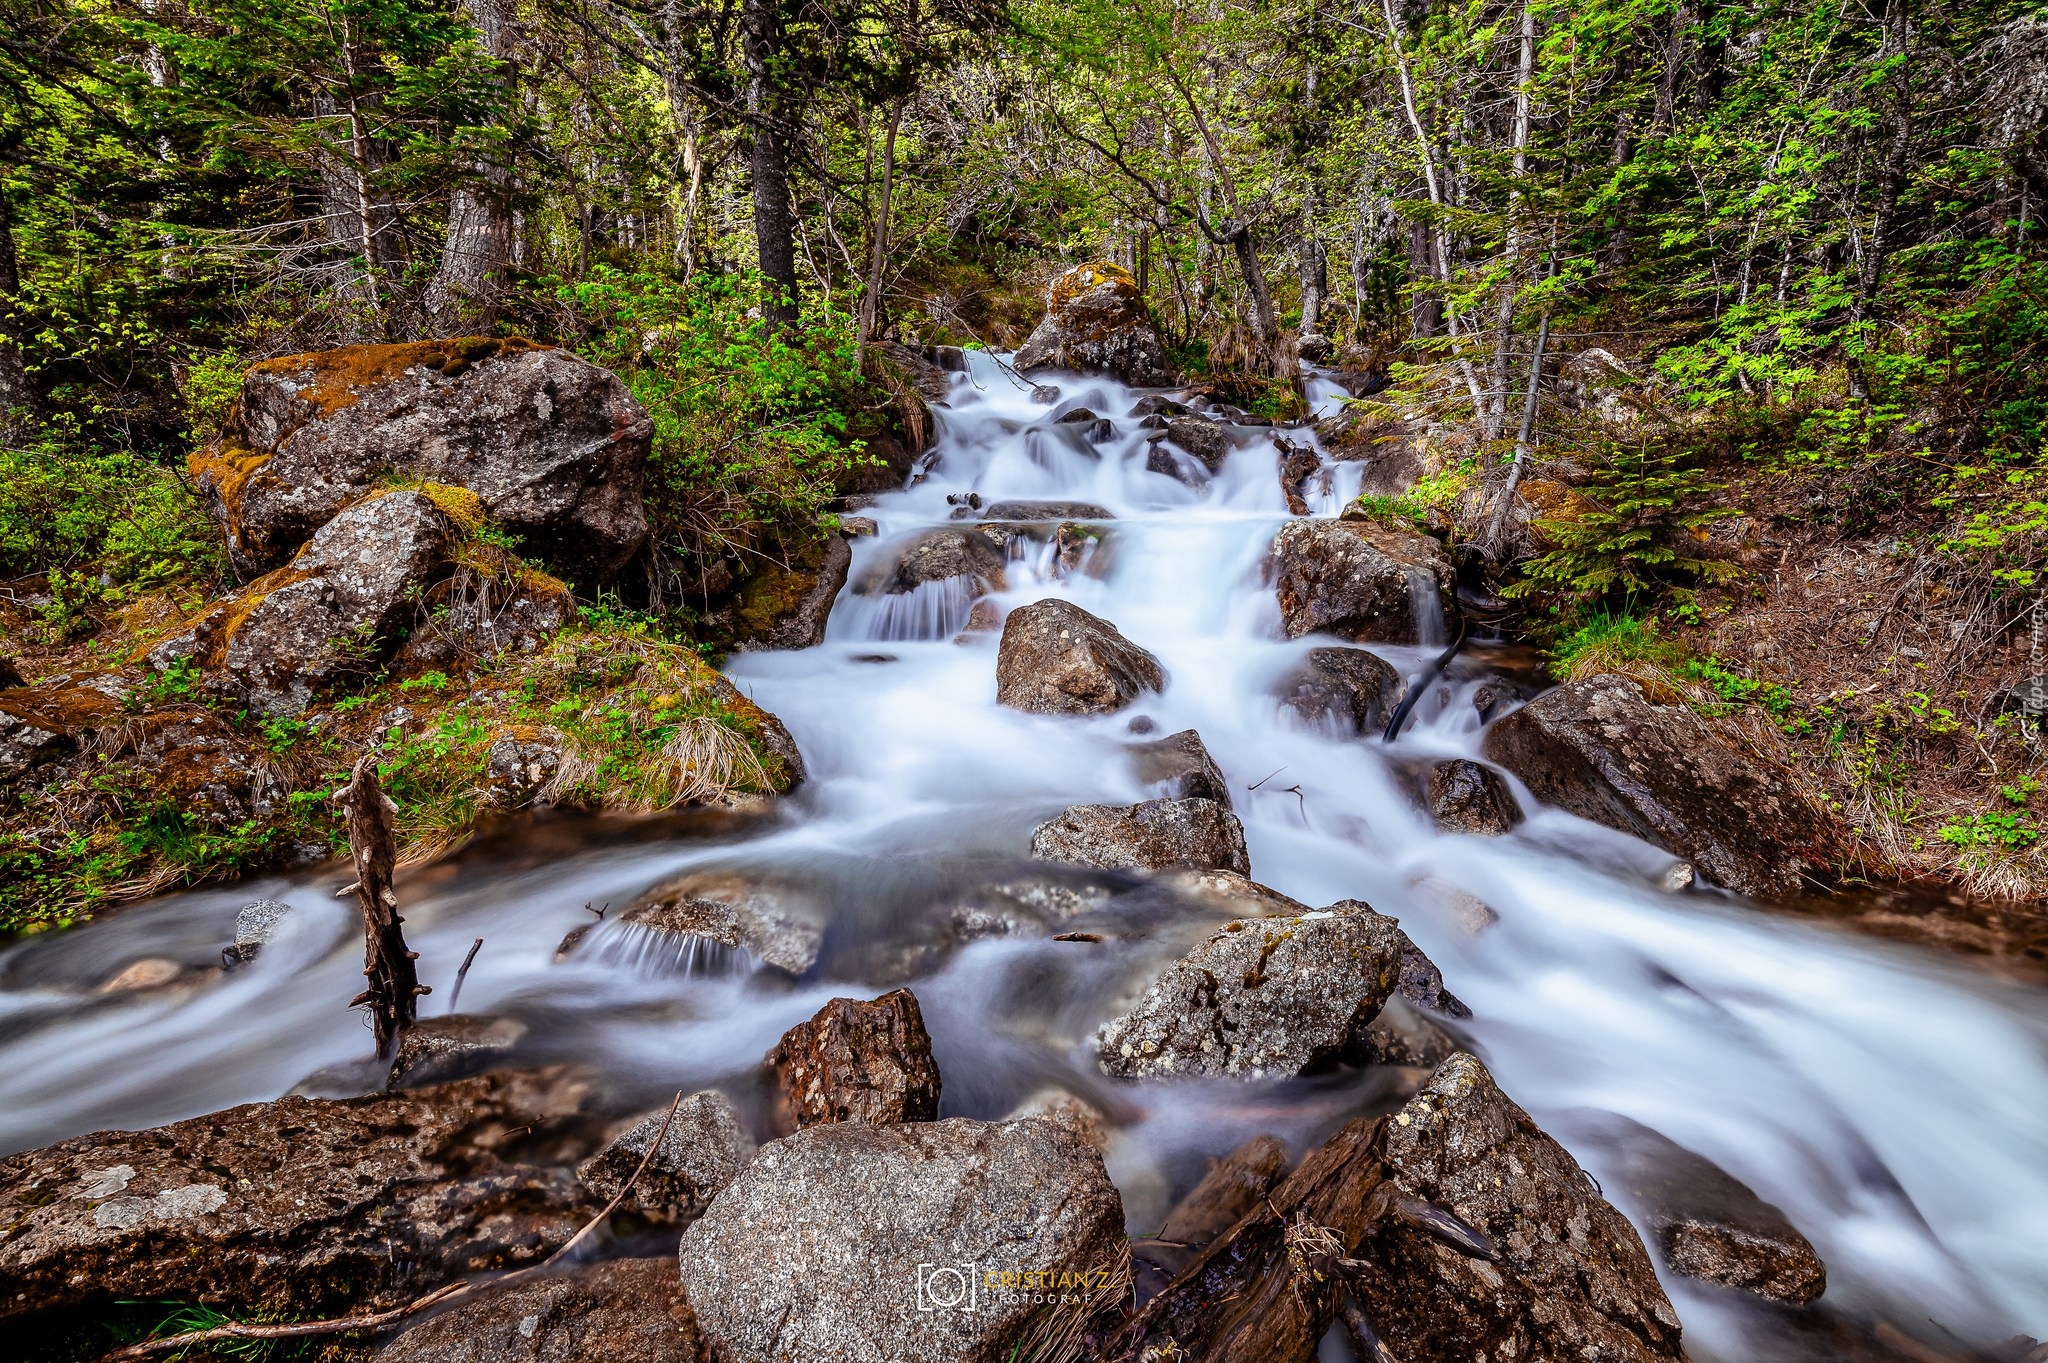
pixel 1893 1103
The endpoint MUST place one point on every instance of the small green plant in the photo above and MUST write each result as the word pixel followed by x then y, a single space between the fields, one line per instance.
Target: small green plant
pixel 2000 830
pixel 1605 642
pixel 212 383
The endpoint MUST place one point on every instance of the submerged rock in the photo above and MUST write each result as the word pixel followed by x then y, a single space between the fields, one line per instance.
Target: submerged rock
pixel 619 1311
pixel 703 1151
pixel 1361 581
pixel 1263 997
pixel 1704 1223
pixel 1570 1279
pixel 1095 321
pixel 1180 763
pixel 1599 749
pixel 783 1267
pixel 1231 895
pixel 1465 797
pixel 305 1206
pixel 554 446
pixel 453 1046
pixel 333 612
pixel 858 1061
pixel 1356 689
pixel 1155 835
pixel 725 913
pixel 1057 659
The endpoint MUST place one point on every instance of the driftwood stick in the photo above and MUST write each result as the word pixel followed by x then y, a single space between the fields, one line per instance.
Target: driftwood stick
pixel 379 1320
pixel 394 989
pixel 455 994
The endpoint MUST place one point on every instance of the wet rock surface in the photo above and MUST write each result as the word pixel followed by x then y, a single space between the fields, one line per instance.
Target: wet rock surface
pixel 1599 749
pixel 453 1046
pixel 299 1205
pixel 936 556
pixel 256 923
pixel 703 1150
pixel 1349 687
pixel 1361 581
pixel 1154 835
pixel 800 1259
pixel 1572 1280
pixel 857 1061
pixel 554 445
pixel 1095 321
pixel 1057 659
pixel 1262 997
pixel 785 605
pixel 1704 1223
pixel 1465 797
pixel 1181 765
pixel 1206 440
pixel 738 913
pixel 618 1311
pixel 333 612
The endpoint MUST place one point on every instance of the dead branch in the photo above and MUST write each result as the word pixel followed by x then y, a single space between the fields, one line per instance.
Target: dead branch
pixel 394 990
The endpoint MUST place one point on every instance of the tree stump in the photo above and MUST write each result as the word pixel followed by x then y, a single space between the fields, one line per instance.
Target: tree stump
pixel 394 988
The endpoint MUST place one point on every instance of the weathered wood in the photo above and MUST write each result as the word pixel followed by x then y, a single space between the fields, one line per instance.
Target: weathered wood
pixel 1240 1301
pixel 1233 1186
pixel 394 988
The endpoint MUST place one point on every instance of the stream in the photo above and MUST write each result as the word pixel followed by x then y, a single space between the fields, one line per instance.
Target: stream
pixel 1894 1103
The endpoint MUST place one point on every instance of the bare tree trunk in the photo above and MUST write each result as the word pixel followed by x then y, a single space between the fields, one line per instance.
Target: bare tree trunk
pixel 1898 139
pixel 871 295
pixel 1494 413
pixel 394 988
pixel 1525 439
pixel 464 293
pixel 774 224
pixel 17 394
pixel 1315 271
pixel 1425 305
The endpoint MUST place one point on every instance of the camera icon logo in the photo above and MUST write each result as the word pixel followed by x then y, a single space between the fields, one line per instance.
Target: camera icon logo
pixel 947 1287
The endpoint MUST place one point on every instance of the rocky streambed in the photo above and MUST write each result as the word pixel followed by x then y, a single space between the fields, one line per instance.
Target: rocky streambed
pixel 1107 989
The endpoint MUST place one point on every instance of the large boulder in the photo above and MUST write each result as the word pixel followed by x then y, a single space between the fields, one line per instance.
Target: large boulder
pixel 1205 440
pixel 1362 581
pixel 857 1061
pixel 984 1221
pixel 334 611
pixel 703 1148
pixel 619 1311
pixel 1155 835
pixel 1601 750
pixel 1353 689
pixel 300 1205
pixel 1057 659
pixel 1570 1280
pixel 1263 997
pixel 555 446
pixel 1095 320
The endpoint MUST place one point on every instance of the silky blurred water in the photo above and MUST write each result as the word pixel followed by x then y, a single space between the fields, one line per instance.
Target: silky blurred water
pixel 1893 1103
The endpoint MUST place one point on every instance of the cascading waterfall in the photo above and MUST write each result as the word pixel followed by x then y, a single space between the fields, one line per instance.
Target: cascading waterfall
pixel 1887 1100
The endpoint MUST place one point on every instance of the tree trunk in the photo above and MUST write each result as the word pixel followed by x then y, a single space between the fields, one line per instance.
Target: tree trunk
pixel 1247 249
pixel 17 394
pixel 394 989
pixel 1315 272
pixel 774 224
pixel 1493 418
pixel 464 293
pixel 871 295
pixel 1425 304
pixel 1898 139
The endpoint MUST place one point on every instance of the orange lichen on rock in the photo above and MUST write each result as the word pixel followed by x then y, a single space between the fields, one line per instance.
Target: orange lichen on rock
pixel 336 379
pixel 1077 281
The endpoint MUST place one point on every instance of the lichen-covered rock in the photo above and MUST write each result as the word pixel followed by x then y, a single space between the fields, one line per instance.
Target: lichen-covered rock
pixel 1095 321
pixel 949 551
pixel 1370 435
pixel 704 1149
pixel 1362 581
pixel 1181 765
pixel 858 1061
pixel 1601 750
pixel 618 1311
pixel 1155 835
pixel 299 1205
pixel 1057 659
pixel 554 445
pixel 334 611
pixel 783 1266
pixel 517 769
pixel 1572 1280
pixel 785 605
pixel 24 743
pixel 1262 997
pixel 1353 689
pixel 1465 797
